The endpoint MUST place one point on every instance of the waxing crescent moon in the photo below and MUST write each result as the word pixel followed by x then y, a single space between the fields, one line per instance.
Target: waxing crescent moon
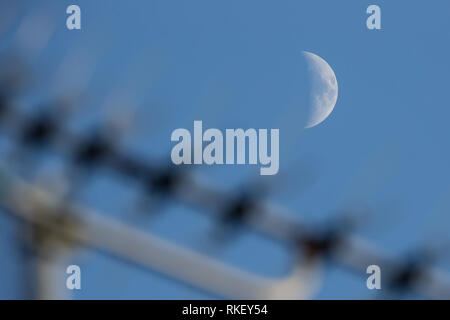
pixel 324 92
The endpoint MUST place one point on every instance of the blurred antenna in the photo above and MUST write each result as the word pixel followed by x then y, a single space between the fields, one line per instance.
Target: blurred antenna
pixel 333 243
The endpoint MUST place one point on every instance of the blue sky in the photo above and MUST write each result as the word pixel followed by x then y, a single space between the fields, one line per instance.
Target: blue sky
pixel 238 64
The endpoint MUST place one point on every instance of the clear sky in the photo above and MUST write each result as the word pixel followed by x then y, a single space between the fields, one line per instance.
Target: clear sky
pixel 238 64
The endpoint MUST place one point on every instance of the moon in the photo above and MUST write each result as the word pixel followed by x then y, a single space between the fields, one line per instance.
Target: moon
pixel 324 92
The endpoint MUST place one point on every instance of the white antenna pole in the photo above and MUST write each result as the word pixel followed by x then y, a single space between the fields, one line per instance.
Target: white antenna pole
pixel 91 229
